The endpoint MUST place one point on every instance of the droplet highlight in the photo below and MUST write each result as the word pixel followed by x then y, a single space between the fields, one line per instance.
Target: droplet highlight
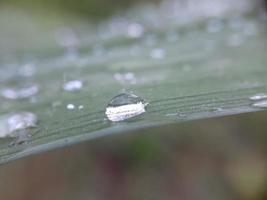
pixel 70 106
pixel 125 106
pixel 259 96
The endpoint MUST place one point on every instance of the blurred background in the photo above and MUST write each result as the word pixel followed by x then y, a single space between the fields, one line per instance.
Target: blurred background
pixel 222 159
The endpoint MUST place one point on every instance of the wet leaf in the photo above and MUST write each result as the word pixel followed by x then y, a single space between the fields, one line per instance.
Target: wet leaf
pixel 185 71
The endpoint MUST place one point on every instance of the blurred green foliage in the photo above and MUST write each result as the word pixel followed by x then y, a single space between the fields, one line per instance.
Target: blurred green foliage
pixel 87 8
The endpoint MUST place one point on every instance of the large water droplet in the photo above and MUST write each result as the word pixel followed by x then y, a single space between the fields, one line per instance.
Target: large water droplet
pixel 260 104
pixel 73 85
pixel 20 92
pixel 259 96
pixel 12 125
pixel 125 106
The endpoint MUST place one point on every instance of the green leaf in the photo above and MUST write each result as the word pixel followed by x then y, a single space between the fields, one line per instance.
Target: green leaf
pixel 182 70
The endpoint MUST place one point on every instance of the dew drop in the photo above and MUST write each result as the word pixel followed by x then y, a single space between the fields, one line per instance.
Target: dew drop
pixel 70 106
pixel 81 107
pixel 12 125
pixel 20 92
pixel 260 104
pixel 73 85
pixel 125 106
pixel 157 53
pixel 259 96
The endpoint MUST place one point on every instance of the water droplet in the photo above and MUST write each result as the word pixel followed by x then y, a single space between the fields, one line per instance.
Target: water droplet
pixel 73 85
pixel 260 104
pixel 21 121
pixel 20 92
pixel 70 106
pixel 157 53
pixel 125 78
pixel 125 106
pixel 259 96
pixel 81 107
pixel 12 125
pixel 135 30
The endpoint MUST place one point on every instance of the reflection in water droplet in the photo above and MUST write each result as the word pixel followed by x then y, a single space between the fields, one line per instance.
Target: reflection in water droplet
pixel 260 104
pixel 73 85
pixel 126 78
pixel 125 106
pixel 135 30
pixel 20 92
pixel 70 106
pixel 157 53
pixel 259 96
pixel 13 125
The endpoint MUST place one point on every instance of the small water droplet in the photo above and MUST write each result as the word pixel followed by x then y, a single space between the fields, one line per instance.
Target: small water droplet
pixel 125 78
pixel 125 106
pixel 260 104
pixel 157 53
pixel 20 92
pixel 135 30
pixel 70 106
pixel 81 107
pixel 259 96
pixel 73 85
